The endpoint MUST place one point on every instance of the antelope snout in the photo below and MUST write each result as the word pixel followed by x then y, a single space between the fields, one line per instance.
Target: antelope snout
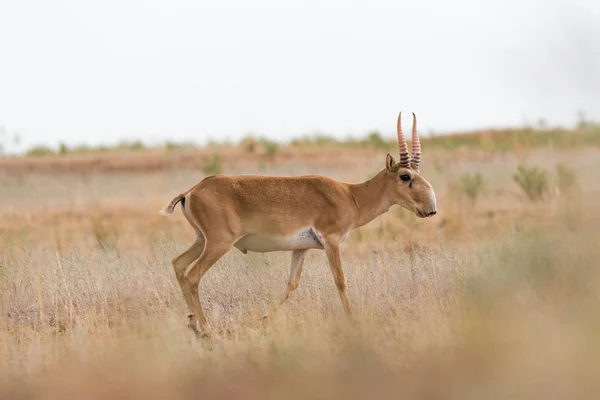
pixel 423 213
pixel 429 206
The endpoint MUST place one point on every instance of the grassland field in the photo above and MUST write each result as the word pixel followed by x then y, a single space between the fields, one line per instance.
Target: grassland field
pixel 495 297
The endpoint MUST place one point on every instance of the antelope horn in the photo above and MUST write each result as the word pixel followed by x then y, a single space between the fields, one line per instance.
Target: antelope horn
pixel 416 145
pixel 404 156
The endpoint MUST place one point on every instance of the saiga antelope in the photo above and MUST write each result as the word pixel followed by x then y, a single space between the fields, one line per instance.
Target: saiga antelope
pixel 292 213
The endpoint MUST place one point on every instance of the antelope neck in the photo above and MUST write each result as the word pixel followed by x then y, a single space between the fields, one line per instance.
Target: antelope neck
pixel 369 198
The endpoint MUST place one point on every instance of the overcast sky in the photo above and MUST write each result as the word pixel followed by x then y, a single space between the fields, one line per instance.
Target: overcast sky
pixel 98 72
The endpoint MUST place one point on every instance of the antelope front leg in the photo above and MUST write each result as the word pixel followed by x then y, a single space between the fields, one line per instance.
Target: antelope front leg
pixel 292 284
pixel 332 249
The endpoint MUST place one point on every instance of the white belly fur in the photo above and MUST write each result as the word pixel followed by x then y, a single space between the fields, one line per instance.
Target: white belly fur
pixel 305 238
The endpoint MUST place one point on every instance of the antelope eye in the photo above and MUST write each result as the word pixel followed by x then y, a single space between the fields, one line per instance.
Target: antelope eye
pixel 405 177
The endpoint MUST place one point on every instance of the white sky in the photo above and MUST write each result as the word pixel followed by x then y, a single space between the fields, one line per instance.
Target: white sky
pixel 99 72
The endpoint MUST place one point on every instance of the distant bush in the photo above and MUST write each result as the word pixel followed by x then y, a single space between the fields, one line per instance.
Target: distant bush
pixel 214 165
pixel 40 150
pixel 170 146
pixel 134 145
pixel 248 144
pixel 375 140
pixel 62 148
pixel 533 181
pixel 271 147
pixel 471 185
pixel 323 139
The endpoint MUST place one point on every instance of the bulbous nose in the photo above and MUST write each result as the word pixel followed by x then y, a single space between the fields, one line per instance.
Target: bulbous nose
pixel 432 213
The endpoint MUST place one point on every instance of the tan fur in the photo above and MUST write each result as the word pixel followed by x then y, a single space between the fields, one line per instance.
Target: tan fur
pixel 287 213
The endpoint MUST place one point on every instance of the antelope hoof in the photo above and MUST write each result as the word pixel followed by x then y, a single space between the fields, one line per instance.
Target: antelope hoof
pixel 192 324
pixel 191 320
pixel 265 319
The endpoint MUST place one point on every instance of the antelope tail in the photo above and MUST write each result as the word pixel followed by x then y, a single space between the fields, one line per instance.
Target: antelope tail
pixel 168 210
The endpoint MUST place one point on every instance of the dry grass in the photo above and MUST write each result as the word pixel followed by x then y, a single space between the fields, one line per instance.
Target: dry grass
pixel 495 301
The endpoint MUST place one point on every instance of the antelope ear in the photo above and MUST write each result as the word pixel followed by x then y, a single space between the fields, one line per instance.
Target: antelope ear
pixel 390 163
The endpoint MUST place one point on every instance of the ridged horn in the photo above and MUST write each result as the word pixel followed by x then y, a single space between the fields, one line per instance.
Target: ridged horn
pixel 404 156
pixel 415 157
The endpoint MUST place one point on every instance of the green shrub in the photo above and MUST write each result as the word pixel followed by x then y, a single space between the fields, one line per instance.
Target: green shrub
pixel 172 146
pixel 62 148
pixel 40 150
pixel 134 145
pixel 533 181
pixel 271 147
pixel 375 140
pixel 471 185
pixel 213 166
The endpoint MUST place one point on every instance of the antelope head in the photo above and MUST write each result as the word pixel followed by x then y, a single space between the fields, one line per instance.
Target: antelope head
pixel 406 186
